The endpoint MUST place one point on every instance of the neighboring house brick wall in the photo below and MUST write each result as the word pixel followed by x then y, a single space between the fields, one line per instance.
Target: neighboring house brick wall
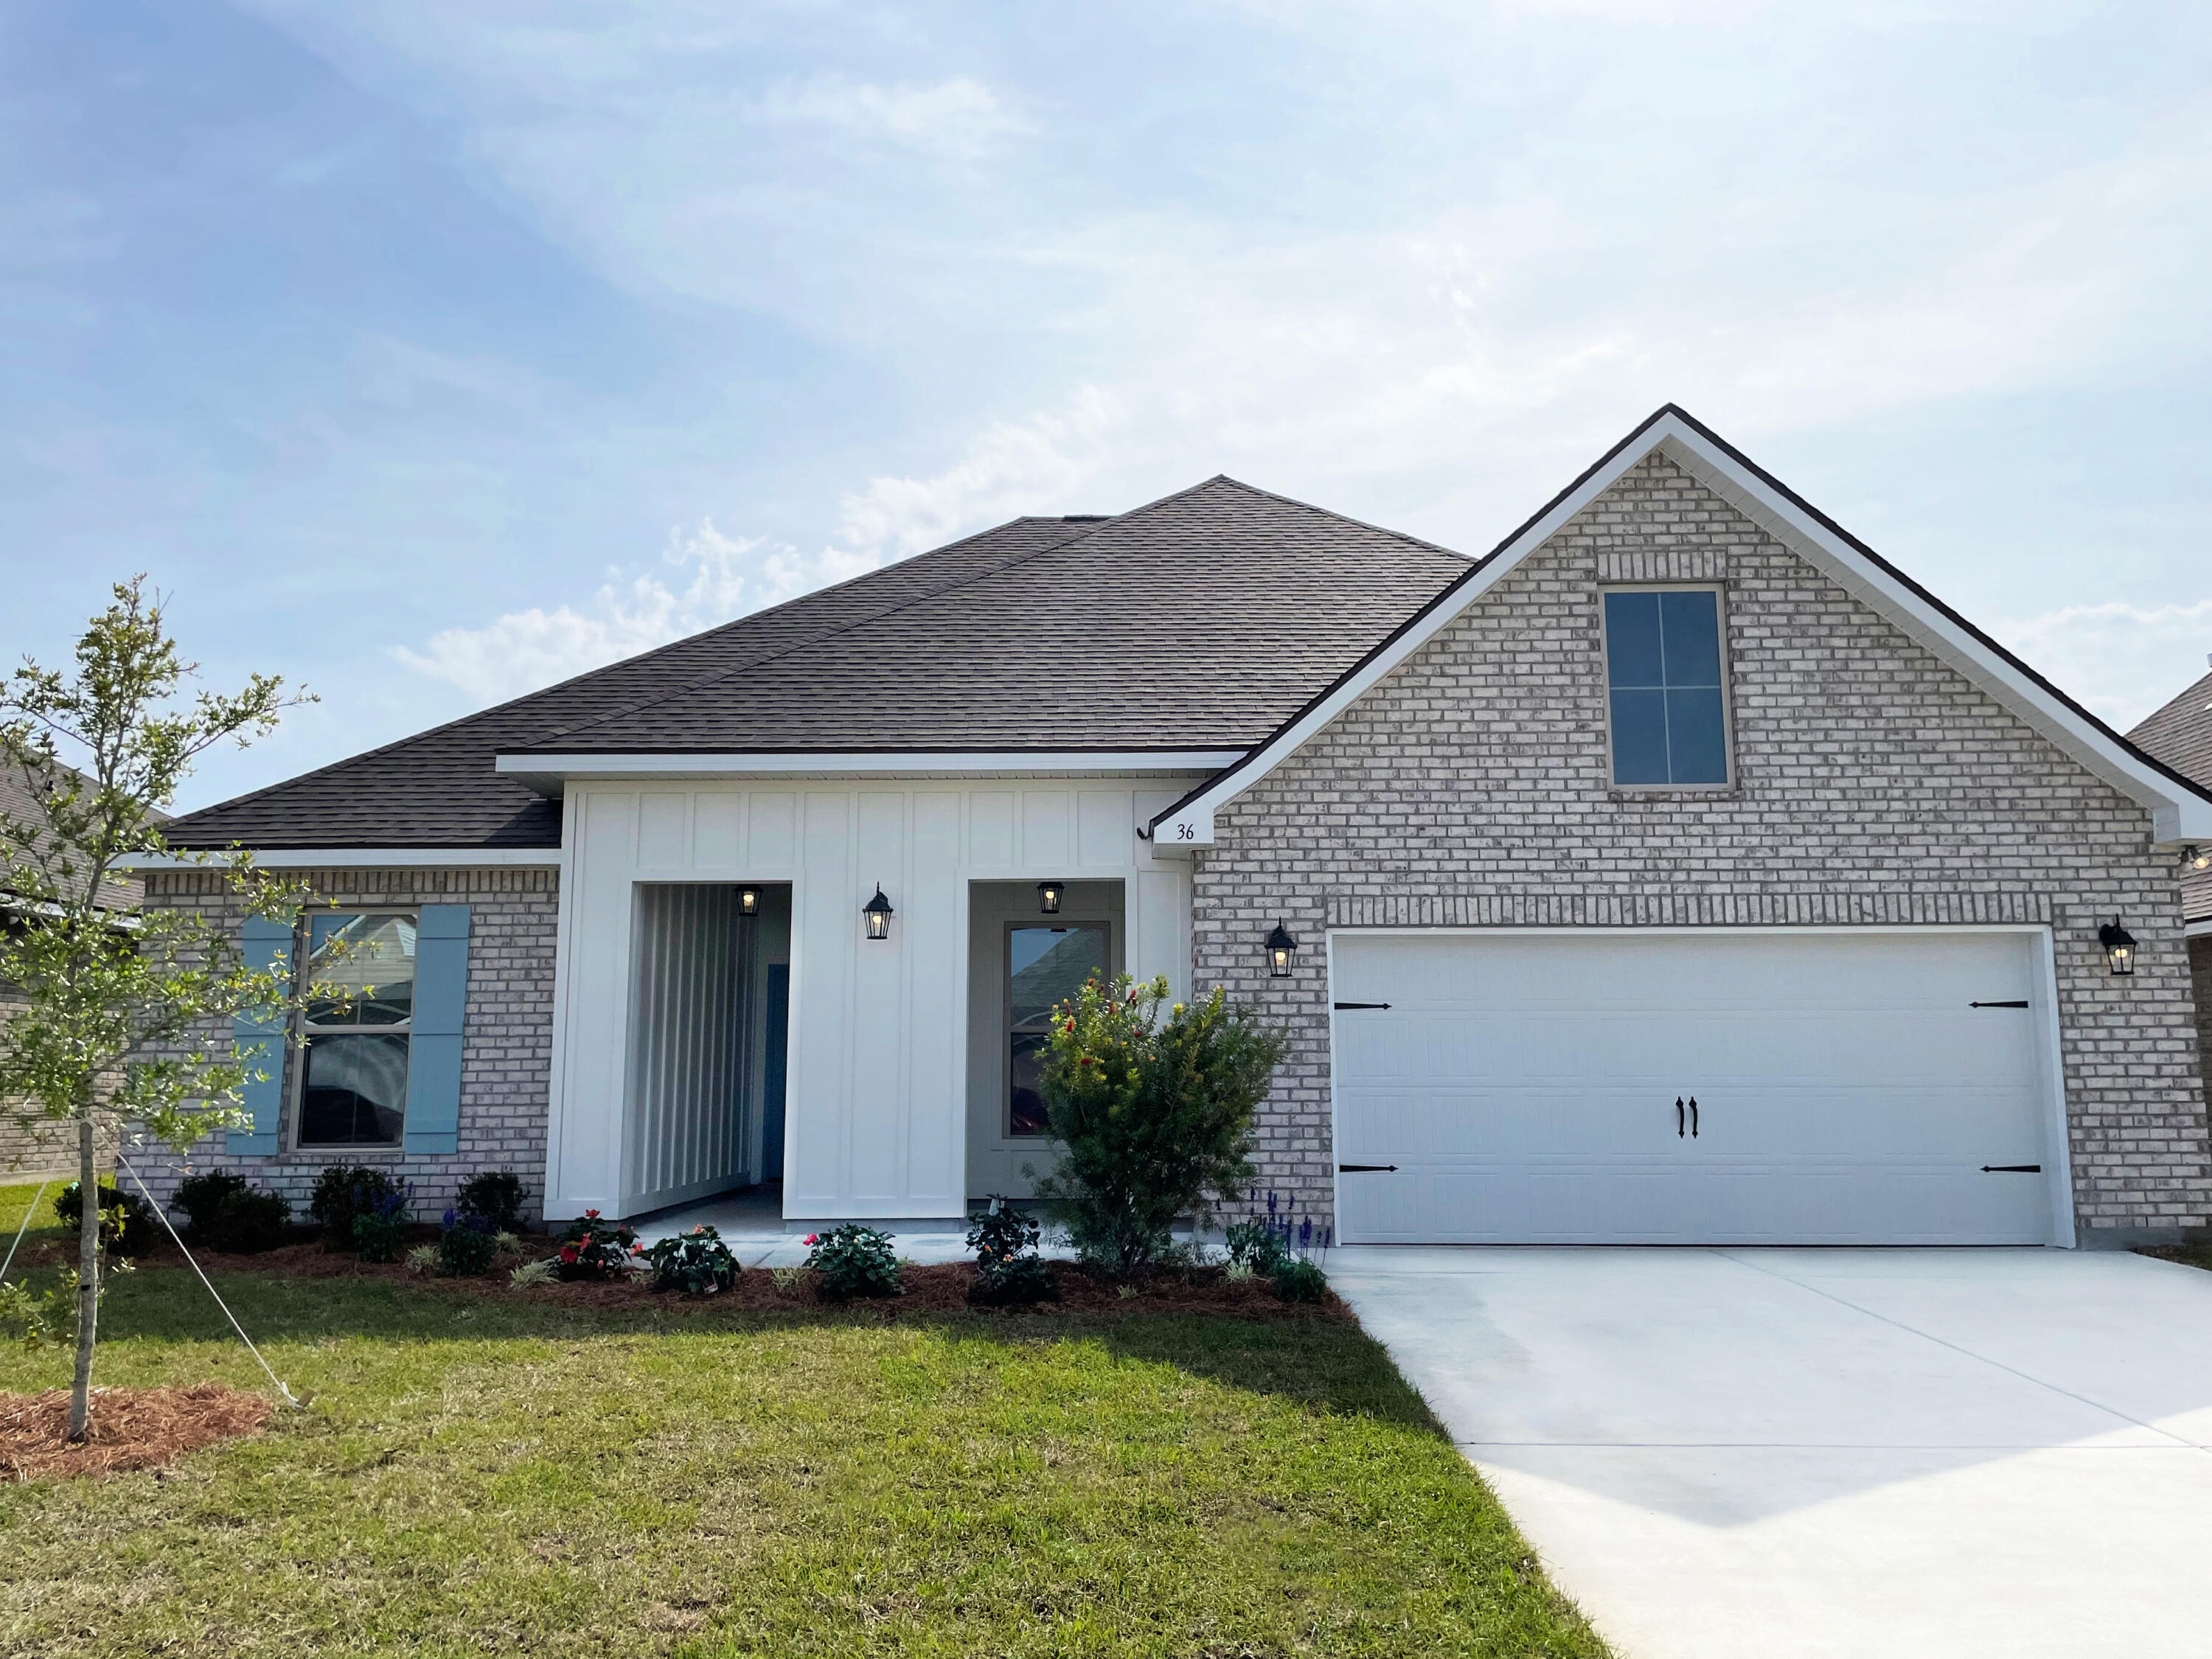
pixel 31 1151
pixel 506 1051
pixel 1875 784
pixel 2200 974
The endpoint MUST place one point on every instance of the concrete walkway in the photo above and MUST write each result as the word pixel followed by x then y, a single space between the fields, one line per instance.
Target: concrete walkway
pixel 1747 1453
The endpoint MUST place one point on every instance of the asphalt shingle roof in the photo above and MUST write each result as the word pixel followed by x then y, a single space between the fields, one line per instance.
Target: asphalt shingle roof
pixel 2181 734
pixel 1202 621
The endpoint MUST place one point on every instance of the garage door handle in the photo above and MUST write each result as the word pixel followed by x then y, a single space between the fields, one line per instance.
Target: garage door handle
pixel 2022 1003
pixel 1693 1118
pixel 2012 1169
pixel 1359 1005
pixel 1366 1169
pixel 1677 1118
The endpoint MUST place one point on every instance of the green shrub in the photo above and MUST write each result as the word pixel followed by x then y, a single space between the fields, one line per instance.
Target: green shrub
pixel 696 1263
pixel 343 1191
pixel 1257 1247
pixel 467 1247
pixel 1153 1115
pixel 1300 1281
pixel 592 1247
pixel 1009 1273
pixel 531 1273
pixel 126 1224
pixel 226 1213
pixel 854 1260
pixel 497 1196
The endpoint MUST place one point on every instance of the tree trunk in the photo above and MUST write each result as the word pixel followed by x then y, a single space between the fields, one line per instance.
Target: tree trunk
pixel 88 1284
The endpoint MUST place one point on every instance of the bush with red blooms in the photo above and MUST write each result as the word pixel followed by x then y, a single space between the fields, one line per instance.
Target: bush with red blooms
pixel 594 1247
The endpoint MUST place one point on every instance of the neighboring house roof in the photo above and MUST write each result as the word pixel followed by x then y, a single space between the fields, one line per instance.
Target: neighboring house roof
pixel 20 802
pixel 1197 622
pixel 2181 734
pixel 2180 807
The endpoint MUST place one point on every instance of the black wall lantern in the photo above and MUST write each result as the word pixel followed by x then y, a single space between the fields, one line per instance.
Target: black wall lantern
pixel 749 901
pixel 1049 893
pixel 1282 952
pixel 877 913
pixel 2119 946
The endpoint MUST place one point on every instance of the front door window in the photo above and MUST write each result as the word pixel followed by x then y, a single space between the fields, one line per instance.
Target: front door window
pixel 1045 966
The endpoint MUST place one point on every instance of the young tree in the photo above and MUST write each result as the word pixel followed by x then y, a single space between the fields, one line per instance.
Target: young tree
pixel 121 999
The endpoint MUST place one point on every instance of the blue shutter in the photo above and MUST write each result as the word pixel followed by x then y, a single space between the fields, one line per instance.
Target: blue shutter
pixel 259 1035
pixel 434 1052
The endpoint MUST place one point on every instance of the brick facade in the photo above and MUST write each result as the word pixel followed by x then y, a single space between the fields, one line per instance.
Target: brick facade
pixel 506 1051
pixel 1874 784
pixel 38 1149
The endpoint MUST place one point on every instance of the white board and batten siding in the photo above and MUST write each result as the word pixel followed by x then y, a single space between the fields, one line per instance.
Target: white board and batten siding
pixel 876 1109
pixel 1524 1085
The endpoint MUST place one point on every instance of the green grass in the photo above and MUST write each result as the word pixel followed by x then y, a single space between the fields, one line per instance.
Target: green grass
pixel 488 1475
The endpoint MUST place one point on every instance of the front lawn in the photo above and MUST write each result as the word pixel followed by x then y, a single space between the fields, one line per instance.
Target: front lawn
pixel 491 1474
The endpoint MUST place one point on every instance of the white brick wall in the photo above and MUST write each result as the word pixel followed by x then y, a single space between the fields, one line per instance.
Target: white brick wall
pixel 506 1053
pixel 1875 784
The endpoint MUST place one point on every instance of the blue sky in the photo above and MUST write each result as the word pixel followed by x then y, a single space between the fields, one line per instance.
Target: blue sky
pixel 426 352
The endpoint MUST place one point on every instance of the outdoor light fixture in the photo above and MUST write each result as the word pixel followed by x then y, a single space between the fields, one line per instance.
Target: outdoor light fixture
pixel 748 900
pixel 1282 952
pixel 2198 859
pixel 877 913
pixel 1049 893
pixel 2119 946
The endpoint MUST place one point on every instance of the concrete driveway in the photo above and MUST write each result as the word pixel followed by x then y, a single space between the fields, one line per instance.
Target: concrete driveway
pixel 1761 1453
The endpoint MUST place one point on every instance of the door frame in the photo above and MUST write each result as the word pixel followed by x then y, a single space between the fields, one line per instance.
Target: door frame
pixel 2058 1160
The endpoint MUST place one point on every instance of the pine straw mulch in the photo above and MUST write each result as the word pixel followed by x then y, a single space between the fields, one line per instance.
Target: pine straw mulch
pixel 131 1429
pixel 936 1289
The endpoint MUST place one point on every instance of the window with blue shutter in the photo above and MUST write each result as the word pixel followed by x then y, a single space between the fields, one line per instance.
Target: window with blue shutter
pixel 1664 686
pixel 259 1035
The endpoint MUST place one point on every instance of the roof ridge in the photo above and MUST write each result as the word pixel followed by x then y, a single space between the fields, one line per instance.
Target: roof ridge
pixel 1343 518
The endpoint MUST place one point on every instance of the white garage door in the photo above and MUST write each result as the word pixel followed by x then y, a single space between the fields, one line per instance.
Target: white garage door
pixel 1833 1088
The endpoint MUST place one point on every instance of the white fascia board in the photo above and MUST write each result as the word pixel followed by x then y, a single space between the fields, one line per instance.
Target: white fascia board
pixel 2199 928
pixel 547 773
pixel 2178 814
pixel 358 858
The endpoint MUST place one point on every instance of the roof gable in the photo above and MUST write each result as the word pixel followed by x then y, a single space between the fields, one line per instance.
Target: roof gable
pixel 2181 809
pixel 2181 734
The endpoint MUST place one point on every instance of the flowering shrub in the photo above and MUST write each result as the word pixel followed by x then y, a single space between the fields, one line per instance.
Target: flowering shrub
pixel 1283 1247
pixel 1009 1273
pixel 1152 1112
pixel 1256 1247
pixel 595 1248
pixel 343 1191
pixel 467 1245
pixel 380 1229
pixel 1300 1281
pixel 696 1263
pixel 854 1260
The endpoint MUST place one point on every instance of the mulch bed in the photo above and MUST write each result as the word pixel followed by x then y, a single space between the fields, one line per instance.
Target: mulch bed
pixel 131 1429
pixel 937 1289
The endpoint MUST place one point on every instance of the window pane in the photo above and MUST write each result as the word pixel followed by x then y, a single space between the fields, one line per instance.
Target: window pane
pixel 355 1091
pixel 1690 624
pixel 1696 746
pixel 378 969
pixel 1048 965
pixel 1639 736
pixel 1633 656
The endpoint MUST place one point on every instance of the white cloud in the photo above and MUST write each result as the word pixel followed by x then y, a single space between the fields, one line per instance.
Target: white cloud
pixel 2122 661
pixel 958 118
pixel 525 650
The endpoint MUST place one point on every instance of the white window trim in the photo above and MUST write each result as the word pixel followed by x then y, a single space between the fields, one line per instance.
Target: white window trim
pixel 1728 784
pixel 295 1097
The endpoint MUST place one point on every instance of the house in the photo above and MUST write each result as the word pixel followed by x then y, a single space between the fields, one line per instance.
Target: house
pixel 1680 870
pixel 2179 736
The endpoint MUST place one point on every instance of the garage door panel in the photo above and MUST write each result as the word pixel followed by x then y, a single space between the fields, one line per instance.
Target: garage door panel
pixel 1524 1085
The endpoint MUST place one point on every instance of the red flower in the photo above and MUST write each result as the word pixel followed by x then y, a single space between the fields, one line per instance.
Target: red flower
pixel 590 1215
pixel 813 1238
pixel 568 1253
pixel 588 1241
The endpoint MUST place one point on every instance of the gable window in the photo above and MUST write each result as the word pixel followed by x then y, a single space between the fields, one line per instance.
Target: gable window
pixel 1662 666
pixel 353 1075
